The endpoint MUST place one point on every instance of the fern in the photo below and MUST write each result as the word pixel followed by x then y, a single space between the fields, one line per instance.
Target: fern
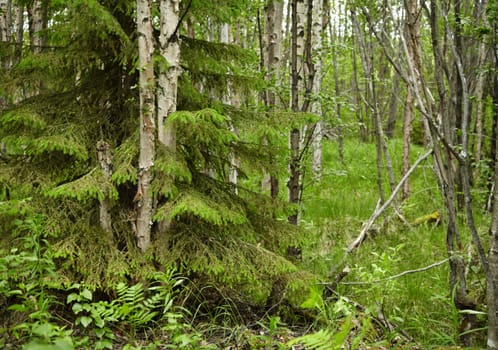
pixel 324 339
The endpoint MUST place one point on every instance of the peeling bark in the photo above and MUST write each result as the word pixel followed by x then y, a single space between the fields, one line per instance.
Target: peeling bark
pixel 143 198
pixel 169 47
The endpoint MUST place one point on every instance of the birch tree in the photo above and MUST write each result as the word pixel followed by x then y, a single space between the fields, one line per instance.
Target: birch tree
pixel 298 19
pixel 144 197
pixel 37 19
pixel 316 47
pixel 169 47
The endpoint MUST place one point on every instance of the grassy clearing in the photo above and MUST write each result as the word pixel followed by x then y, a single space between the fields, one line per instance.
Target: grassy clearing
pixel 334 210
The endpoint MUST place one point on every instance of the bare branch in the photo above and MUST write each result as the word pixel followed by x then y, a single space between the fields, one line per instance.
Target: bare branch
pixel 404 273
pixel 357 242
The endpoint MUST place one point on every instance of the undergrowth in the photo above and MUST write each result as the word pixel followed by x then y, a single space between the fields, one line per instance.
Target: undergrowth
pixel 45 310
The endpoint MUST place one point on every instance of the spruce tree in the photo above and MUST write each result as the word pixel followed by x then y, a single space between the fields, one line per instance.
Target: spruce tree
pixel 71 152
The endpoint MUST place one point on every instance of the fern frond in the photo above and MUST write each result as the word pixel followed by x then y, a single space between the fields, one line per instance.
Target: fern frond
pixel 321 340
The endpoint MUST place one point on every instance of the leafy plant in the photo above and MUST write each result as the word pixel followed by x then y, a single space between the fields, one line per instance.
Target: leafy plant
pixel 135 309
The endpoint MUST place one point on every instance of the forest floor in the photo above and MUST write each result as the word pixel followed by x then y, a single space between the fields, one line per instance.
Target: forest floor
pixel 392 292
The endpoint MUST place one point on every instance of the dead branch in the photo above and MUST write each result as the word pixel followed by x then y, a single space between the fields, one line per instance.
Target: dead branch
pixel 378 211
pixel 404 273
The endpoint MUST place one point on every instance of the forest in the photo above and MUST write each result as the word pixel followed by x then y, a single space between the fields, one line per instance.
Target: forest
pixel 248 174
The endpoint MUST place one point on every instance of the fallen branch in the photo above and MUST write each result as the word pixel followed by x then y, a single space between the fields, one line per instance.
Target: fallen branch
pixel 378 211
pixel 404 273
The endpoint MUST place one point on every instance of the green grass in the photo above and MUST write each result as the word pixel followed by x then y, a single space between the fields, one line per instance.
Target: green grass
pixel 334 210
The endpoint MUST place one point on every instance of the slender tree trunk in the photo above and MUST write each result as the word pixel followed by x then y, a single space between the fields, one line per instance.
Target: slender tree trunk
pixel 412 34
pixel 492 282
pixel 393 107
pixel 480 16
pixel 298 18
pixel 337 87
pixel 169 47
pixel 271 53
pixel 5 21
pixel 143 197
pixel 18 26
pixel 407 132
pixel 316 108
pixel 367 61
pixel 37 13
pixel 105 161
pixel 230 98
pixel 5 30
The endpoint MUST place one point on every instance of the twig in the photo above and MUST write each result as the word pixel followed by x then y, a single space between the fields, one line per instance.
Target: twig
pixel 407 272
pixel 357 242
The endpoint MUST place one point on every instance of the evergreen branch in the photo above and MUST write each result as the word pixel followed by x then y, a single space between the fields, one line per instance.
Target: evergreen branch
pixel 404 273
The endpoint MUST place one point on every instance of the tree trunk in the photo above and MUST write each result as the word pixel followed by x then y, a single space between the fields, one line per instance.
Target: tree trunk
pixel 105 161
pixel 367 61
pixel 143 197
pixel 230 98
pixel 37 13
pixel 492 282
pixel 412 34
pixel 5 20
pixel 316 108
pixel 298 18
pixel 337 91
pixel 169 71
pixel 393 108
pixel 272 51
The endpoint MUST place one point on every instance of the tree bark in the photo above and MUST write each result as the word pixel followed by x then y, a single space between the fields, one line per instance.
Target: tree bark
pixel 412 33
pixel 298 18
pixel 316 108
pixel 37 14
pixel 492 282
pixel 144 197
pixel 105 161
pixel 169 71
pixel 271 52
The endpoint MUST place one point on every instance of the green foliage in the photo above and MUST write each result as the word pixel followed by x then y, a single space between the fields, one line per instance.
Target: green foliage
pixel 90 186
pixel 135 309
pixel 125 157
pixel 324 339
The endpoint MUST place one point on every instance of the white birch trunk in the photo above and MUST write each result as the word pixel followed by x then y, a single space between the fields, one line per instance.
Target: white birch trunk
pixel 297 87
pixel 316 47
pixel 5 20
pixel 143 198
pixel 169 42
pixel 105 161
pixel 37 24
pixel 230 98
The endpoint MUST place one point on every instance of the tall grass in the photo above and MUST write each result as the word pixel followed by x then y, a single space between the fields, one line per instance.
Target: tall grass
pixel 334 210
